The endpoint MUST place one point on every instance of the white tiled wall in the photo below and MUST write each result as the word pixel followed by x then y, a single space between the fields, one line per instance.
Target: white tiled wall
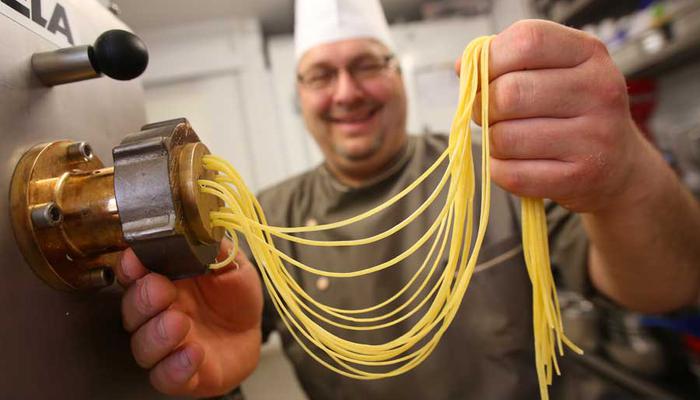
pixel 213 74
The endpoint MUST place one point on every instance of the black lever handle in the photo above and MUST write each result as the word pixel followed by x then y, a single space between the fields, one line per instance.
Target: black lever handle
pixel 119 54
pixel 116 53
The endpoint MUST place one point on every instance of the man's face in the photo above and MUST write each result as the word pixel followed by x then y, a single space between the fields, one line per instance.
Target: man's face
pixel 354 104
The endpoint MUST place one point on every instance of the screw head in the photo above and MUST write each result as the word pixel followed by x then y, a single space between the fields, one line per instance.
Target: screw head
pixel 80 152
pixel 46 215
pixel 97 278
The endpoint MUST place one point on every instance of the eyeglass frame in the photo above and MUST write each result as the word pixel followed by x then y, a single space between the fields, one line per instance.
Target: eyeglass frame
pixel 350 69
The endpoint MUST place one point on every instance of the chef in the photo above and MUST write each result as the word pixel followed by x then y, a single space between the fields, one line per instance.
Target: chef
pixel 620 221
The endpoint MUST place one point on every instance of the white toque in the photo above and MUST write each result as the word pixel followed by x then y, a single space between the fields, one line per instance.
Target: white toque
pixel 324 21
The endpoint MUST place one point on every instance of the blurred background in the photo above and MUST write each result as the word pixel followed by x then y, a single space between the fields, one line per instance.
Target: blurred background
pixel 228 66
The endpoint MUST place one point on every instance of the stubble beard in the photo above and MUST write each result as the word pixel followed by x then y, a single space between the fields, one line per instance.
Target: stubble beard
pixel 369 152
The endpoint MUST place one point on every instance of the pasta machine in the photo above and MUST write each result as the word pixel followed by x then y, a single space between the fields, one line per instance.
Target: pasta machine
pixel 62 213
pixel 71 215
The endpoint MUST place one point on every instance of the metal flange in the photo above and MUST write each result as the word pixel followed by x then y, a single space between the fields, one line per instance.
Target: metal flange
pixel 64 217
pixel 72 216
pixel 164 217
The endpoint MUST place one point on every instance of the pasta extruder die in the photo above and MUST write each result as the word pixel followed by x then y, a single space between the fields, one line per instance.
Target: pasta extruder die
pixel 71 216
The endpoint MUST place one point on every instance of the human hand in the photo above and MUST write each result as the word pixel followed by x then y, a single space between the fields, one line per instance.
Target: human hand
pixel 560 121
pixel 198 337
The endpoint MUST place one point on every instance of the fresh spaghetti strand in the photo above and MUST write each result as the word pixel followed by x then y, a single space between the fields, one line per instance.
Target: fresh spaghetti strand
pixel 432 294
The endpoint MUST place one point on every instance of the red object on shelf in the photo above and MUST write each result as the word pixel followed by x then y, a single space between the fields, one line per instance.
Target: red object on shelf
pixel 693 343
pixel 642 95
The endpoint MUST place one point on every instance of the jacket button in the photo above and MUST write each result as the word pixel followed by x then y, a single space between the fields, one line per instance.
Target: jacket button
pixel 311 222
pixel 322 283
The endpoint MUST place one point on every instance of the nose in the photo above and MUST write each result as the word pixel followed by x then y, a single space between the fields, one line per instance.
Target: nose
pixel 347 90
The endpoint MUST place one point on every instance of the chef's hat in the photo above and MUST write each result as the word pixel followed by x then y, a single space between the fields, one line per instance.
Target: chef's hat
pixel 324 21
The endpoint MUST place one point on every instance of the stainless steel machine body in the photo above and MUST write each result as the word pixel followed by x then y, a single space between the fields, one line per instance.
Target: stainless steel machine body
pixel 55 344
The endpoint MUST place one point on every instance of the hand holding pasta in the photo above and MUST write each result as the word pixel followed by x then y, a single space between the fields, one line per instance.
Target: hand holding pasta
pixel 560 121
pixel 561 129
pixel 199 337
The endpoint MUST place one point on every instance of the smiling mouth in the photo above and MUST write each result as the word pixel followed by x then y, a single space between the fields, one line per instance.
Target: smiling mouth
pixel 354 118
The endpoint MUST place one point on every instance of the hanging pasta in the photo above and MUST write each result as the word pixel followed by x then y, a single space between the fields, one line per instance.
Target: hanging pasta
pixel 452 232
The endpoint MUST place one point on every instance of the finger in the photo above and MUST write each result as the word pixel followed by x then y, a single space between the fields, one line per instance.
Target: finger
pixel 536 44
pixel 553 93
pixel 175 375
pixel 535 178
pixel 225 249
pixel 234 274
pixel 159 337
pixel 235 293
pixel 536 138
pixel 147 297
pixel 129 268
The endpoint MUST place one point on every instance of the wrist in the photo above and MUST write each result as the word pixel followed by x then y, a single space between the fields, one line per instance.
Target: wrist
pixel 643 182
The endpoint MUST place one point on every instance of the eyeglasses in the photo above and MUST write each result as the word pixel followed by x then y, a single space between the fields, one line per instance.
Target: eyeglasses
pixel 361 70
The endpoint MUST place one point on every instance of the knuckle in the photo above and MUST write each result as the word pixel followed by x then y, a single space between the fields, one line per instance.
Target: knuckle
pixel 574 175
pixel 613 92
pixel 513 180
pixel 528 37
pixel 604 135
pixel 597 46
pixel 587 173
pixel 137 349
pixel 504 141
pixel 152 341
pixel 509 93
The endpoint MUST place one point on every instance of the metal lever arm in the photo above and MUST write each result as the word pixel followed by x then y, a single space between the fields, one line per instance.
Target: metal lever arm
pixel 116 53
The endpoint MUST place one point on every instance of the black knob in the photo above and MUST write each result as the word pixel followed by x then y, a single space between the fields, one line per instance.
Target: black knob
pixel 119 54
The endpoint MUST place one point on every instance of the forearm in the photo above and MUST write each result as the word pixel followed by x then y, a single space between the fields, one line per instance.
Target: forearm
pixel 645 251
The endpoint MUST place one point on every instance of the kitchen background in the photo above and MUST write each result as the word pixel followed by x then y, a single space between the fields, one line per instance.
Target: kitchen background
pixel 228 66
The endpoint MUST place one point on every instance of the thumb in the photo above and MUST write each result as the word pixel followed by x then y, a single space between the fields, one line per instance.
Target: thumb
pixel 234 291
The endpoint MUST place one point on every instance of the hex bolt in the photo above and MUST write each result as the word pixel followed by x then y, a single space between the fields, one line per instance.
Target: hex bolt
pixel 46 215
pixel 97 278
pixel 79 152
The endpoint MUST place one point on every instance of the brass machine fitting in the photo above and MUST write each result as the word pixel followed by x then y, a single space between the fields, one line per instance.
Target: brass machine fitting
pixel 72 216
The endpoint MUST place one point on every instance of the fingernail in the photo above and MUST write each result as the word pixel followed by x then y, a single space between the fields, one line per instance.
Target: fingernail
pixel 160 327
pixel 183 359
pixel 120 262
pixel 143 293
pixel 126 268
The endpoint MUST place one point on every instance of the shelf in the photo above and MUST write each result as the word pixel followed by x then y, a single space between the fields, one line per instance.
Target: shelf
pixel 630 381
pixel 578 13
pixel 654 52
